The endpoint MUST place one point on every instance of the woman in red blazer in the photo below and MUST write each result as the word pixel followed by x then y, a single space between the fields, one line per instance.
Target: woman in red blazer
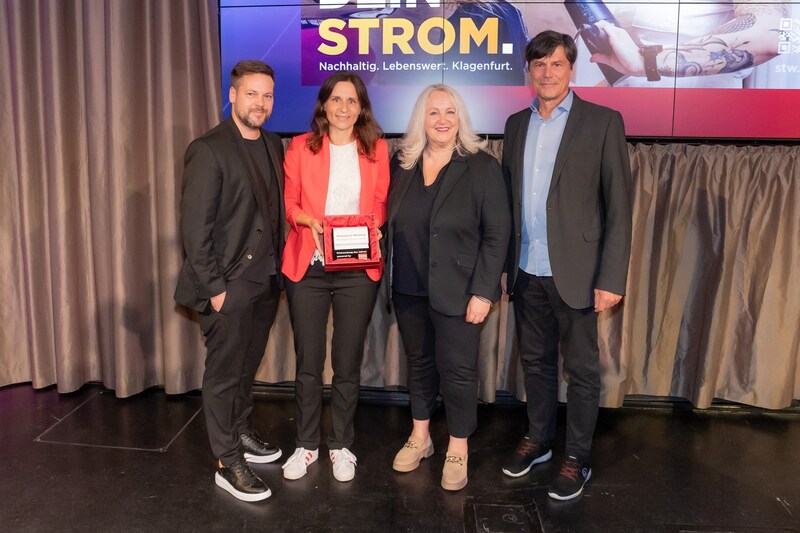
pixel 340 167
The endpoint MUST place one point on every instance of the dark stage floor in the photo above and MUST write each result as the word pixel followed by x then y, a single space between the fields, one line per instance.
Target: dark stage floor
pixel 91 462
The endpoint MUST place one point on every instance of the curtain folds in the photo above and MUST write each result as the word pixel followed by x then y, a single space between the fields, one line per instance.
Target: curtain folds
pixel 101 99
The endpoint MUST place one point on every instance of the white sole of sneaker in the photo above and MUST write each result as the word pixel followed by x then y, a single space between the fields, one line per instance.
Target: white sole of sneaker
pixel 344 478
pixel 244 496
pixel 538 460
pixel 262 459
pixel 573 495
pixel 291 476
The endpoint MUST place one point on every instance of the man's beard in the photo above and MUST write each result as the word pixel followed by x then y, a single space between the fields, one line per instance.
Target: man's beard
pixel 245 119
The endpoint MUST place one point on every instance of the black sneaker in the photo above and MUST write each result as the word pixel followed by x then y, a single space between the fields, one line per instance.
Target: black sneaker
pixel 571 479
pixel 258 451
pixel 242 482
pixel 525 456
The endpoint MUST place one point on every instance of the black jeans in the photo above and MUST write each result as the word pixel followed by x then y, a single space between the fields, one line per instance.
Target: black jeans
pixel 236 338
pixel 352 296
pixel 442 351
pixel 543 321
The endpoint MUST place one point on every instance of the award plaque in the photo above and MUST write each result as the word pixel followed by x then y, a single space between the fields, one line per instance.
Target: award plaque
pixel 350 242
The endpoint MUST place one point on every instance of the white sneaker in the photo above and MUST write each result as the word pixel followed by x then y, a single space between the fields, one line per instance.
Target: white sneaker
pixel 344 464
pixel 295 467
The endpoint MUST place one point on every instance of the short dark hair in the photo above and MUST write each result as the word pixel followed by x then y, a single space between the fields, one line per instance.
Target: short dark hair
pixel 366 129
pixel 546 42
pixel 250 66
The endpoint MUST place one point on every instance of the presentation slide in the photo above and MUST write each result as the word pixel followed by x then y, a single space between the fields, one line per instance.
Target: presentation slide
pixel 713 69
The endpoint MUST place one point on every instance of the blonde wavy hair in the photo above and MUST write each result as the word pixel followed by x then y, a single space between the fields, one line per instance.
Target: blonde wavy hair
pixel 414 141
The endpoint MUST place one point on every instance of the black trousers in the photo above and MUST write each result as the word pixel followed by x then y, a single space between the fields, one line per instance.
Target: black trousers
pixel 543 321
pixel 236 338
pixel 442 352
pixel 352 296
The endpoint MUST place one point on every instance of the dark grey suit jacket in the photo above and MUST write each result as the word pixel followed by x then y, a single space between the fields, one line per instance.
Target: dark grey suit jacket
pixel 588 204
pixel 469 231
pixel 221 224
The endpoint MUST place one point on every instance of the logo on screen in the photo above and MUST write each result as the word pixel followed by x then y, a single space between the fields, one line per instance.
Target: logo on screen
pixel 408 42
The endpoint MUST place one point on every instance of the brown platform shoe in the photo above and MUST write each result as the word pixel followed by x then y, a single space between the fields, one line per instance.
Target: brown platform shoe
pixel 412 452
pixel 454 474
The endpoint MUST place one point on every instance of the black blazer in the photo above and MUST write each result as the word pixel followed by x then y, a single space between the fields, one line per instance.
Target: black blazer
pixel 469 230
pixel 588 204
pixel 221 220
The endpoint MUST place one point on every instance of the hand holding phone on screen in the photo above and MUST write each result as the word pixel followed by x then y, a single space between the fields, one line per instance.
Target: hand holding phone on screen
pixel 624 55
pixel 586 16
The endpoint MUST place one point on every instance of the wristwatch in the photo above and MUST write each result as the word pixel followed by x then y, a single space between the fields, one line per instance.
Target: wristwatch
pixel 649 53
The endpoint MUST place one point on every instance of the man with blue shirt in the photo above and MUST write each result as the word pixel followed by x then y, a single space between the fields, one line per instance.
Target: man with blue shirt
pixel 568 174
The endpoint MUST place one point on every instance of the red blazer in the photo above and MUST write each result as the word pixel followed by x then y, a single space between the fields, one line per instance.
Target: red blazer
pixel 306 191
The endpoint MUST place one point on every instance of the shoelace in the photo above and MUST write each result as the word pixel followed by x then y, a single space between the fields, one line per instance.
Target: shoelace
pixel 300 454
pixel 569 469
pixel 244 473
pixel 343 455
pixel 253 439
pixel 454 459
pixel 525 447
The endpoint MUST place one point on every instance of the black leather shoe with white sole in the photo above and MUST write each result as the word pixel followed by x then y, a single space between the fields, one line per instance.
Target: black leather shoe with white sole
pixel 258 451
pixel 239 480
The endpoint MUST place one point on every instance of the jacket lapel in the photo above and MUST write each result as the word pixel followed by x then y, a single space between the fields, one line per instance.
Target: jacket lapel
pixel 277 168
pixel 322 173
pixel 256 183
pixel 366 200
pixel 519 151
pixel 398 190
pixel 570 132
pixel 456 169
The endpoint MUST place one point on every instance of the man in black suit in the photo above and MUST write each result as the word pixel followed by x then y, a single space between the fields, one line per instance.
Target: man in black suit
pixel 231 226
pixel 568 174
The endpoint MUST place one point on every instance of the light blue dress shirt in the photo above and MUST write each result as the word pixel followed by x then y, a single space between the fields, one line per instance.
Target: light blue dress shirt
pixel 541 148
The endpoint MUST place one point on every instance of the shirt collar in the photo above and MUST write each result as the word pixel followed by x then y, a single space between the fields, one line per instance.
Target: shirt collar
pixel 565 106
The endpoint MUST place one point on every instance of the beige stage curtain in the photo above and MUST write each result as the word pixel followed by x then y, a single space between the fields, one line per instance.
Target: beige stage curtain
pixel 100 99
pixel 713 298
pixel 713 305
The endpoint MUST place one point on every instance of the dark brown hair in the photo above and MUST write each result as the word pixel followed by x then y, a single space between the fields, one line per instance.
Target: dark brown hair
pixel 250 66
pixel 366 129
pixel 546 42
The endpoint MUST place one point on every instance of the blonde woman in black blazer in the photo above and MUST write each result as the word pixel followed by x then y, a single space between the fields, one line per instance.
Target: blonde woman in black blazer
pixel 448 232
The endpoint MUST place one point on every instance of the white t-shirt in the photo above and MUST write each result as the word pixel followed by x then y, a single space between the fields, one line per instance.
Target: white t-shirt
pixel 344 185
pixel 344 181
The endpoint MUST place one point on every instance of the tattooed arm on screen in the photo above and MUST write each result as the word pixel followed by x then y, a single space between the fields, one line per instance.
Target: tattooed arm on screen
pixel 747 40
